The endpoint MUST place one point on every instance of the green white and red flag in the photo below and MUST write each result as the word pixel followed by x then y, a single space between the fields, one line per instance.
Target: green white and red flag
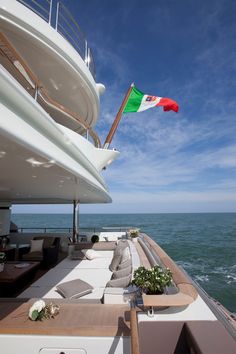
pixel 138 102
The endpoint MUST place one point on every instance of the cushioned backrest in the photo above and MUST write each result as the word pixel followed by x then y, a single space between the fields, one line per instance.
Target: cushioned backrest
pixel 122 244
pixel 98 246
pixel 47 240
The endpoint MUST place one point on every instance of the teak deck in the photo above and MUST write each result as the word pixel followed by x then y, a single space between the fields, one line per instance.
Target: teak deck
pixel 73 320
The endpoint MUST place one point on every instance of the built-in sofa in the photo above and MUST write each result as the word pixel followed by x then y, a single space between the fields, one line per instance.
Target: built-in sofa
pixel 95 272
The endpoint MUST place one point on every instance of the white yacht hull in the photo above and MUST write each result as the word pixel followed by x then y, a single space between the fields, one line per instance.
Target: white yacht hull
pixel 55 163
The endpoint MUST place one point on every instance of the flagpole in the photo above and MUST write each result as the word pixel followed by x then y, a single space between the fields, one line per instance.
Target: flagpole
pixel 117 119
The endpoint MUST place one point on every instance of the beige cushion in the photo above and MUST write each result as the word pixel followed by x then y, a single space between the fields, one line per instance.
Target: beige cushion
pixel 90 254
pixel 122 273
pixel 36 245
pixel 74 289
pixel 119 283
pixel 125 264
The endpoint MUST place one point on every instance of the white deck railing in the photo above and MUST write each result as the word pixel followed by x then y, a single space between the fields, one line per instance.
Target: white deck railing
pixel 70 229
pixel 57 16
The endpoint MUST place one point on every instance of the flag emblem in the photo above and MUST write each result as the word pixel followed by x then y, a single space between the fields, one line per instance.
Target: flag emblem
pixel 150 98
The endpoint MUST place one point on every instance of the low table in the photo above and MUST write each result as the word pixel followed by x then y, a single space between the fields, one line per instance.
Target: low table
pixel 16 275
pixel 9 251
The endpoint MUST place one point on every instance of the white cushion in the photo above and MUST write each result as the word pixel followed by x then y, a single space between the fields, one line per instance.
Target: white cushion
pixel 98 263
pixel 91 254
pixel 56 276
pixel 36 245
pixel 125 255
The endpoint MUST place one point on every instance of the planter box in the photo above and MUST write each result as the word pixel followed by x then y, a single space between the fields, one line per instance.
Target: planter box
pixel 164 300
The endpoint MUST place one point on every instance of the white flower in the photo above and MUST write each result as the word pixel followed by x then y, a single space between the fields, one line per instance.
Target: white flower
pixel 37 306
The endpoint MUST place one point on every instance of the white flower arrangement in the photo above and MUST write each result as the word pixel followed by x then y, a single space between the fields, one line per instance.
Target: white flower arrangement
pixel 39 311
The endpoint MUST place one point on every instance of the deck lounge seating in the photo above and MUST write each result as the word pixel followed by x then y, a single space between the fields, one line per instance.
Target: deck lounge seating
pixel 48 254
pixel 110 284
pixel 95 272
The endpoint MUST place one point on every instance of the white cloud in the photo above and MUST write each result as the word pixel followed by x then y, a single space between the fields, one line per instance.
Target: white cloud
pixel 169 152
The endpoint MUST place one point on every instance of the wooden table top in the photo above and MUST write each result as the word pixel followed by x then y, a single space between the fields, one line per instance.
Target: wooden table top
pixel 12 273
pixel 73 320
pixel 6 249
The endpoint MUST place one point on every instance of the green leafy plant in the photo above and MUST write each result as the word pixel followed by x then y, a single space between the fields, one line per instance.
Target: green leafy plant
pixel 134 233
pixel 94 238
pixel 152 281
pixel 2 257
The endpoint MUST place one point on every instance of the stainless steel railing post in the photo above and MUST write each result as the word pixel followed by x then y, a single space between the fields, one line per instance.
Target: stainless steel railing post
pixel 86 53
pixel 50 13
pixel 57 15
pixel 36 92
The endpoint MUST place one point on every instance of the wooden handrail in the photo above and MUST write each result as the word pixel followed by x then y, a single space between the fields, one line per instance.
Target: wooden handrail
pixel 10 52
pixel 48 100
pixel 135 349
pixel 13 55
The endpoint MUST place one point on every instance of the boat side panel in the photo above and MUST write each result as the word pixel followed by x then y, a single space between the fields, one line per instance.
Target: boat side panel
pixel 35 344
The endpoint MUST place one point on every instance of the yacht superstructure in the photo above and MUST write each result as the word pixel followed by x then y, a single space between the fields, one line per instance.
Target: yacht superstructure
pixel 49 105
pixel 50 153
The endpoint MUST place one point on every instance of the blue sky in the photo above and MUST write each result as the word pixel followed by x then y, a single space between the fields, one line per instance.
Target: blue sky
pixel 185 50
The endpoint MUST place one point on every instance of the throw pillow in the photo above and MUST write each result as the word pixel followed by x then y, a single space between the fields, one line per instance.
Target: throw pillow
pixel 90 254
pixel 125 255
pixel 122 244
pixel 119 283
pixel 125 264
pixel 36 245
pixel 74 289
pixel 115 262
pixel 122 273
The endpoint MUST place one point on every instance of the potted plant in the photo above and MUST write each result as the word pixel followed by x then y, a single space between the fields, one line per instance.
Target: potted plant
pixel 2 260
pixel 134 233
pixel 95 239
pixel 152 281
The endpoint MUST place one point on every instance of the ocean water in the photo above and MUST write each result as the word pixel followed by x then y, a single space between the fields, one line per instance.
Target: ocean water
pixel 203 244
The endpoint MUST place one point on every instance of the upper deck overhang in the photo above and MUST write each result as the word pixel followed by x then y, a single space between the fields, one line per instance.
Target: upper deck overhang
pixel 59 67
pixel 39 162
